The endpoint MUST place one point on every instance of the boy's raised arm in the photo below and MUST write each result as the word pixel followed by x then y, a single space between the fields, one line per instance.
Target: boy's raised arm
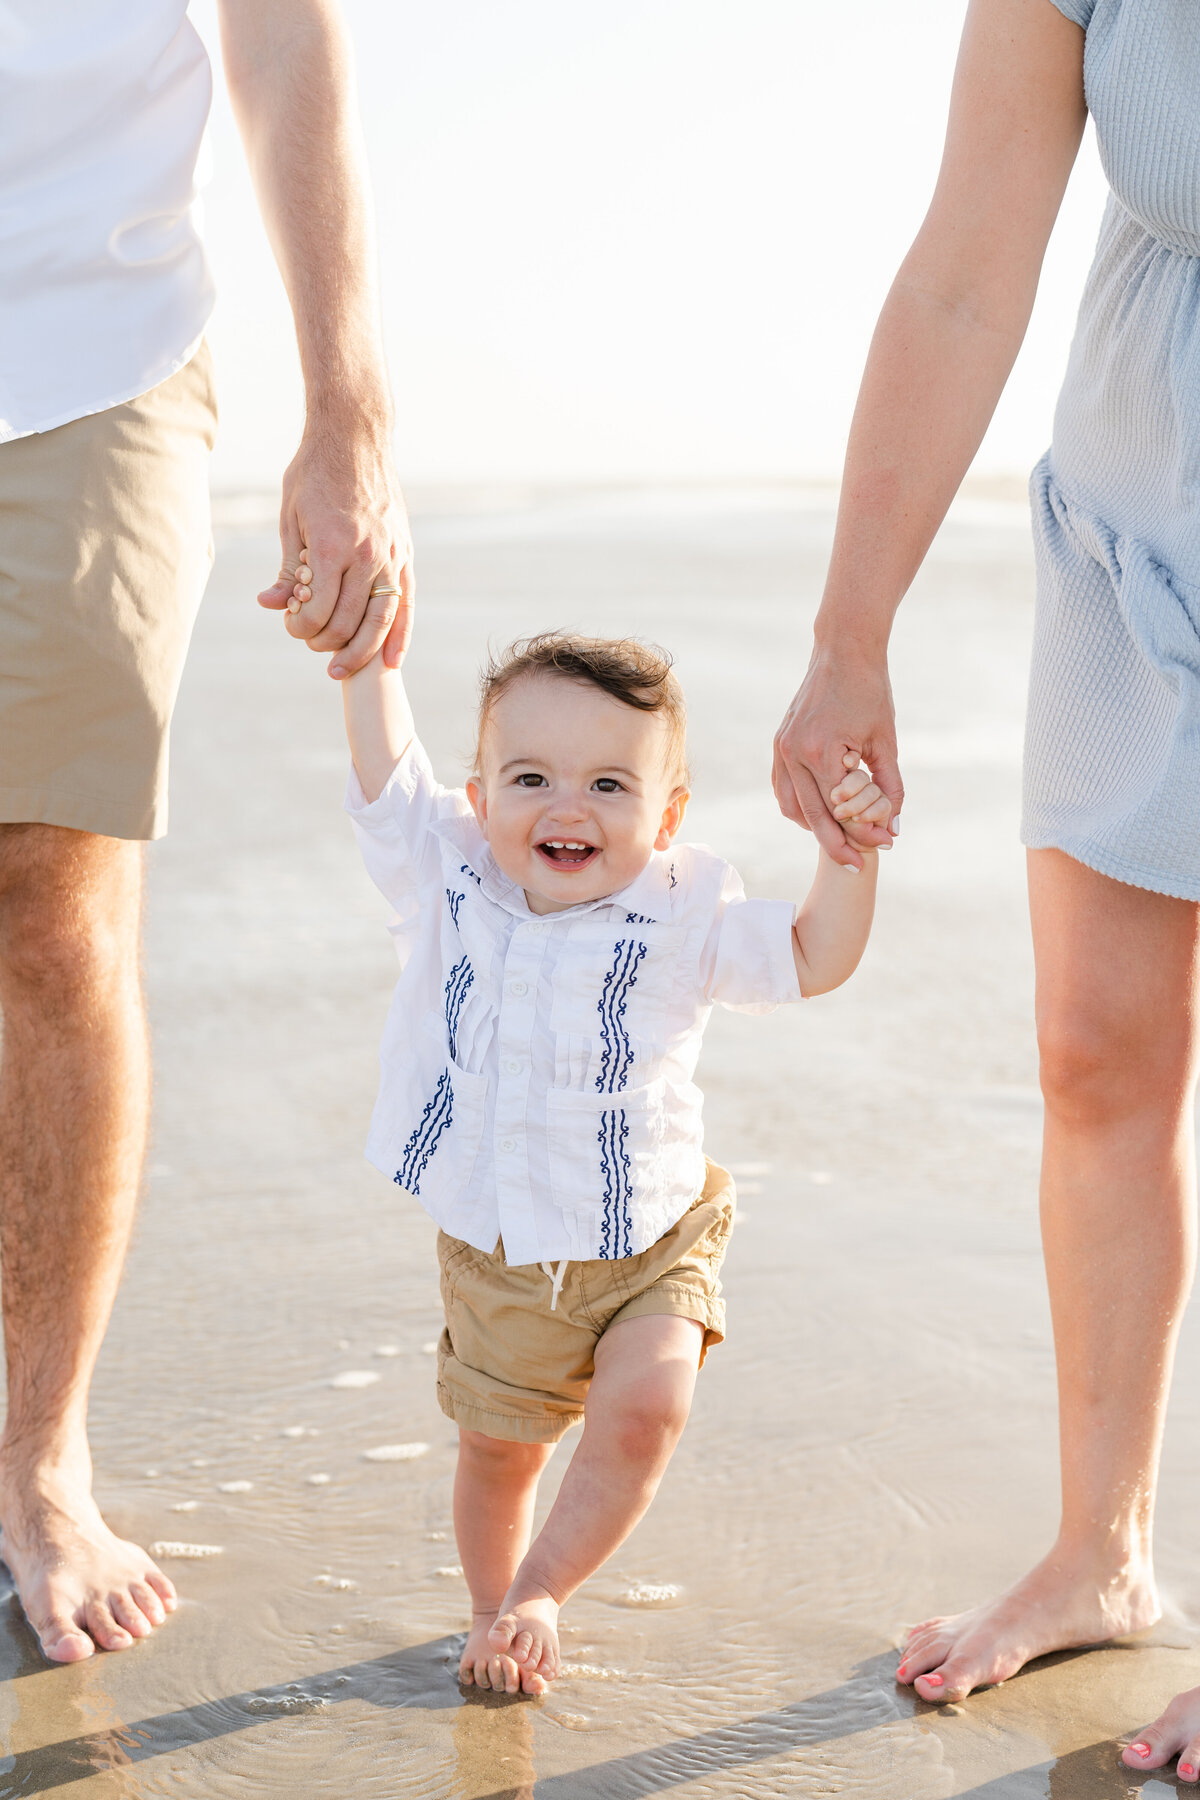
pixel 379 723
pixel 833 925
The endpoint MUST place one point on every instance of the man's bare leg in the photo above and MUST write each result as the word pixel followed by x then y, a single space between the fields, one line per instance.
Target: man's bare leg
pixel 1116 997
pixel 74 1095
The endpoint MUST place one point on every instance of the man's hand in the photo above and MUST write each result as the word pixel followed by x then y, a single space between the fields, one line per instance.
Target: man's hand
pixel 843 713
pixel 343 530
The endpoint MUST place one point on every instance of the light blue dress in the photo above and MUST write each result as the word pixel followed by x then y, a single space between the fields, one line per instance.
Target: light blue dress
pixel 1112 765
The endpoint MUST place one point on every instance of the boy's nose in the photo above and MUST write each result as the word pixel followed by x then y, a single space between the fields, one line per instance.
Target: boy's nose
pixel 571 808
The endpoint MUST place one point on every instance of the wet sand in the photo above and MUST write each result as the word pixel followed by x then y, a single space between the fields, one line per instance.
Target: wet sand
pixel 876 1439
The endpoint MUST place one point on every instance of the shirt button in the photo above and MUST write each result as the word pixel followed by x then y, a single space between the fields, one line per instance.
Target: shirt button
pixel 508 1144
pixel 512 1066
pixel 518 988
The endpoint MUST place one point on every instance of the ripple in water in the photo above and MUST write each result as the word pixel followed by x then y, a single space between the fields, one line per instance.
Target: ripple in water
pixel 170 1551
pixel 395 1453
pixel 356 1378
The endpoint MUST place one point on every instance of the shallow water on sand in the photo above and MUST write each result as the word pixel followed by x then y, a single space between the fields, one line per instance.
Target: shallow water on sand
pixel 875 1440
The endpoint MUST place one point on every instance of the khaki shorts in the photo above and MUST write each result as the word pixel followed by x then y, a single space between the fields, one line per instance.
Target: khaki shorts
pixel 105 547
pixel 510 1368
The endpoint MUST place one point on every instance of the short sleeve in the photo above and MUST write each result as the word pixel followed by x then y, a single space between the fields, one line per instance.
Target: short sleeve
pixel 1079 11
pixel 747 963
pixel 396 832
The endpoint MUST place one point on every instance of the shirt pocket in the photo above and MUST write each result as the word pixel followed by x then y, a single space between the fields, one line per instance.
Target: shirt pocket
pixel 623 1165
pixel 612 984
pixel 441 1150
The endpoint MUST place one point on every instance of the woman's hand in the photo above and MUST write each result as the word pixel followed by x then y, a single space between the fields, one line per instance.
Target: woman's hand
pixel 844 709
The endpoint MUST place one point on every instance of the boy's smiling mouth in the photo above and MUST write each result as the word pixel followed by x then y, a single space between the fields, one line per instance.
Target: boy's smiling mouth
pixel 566 853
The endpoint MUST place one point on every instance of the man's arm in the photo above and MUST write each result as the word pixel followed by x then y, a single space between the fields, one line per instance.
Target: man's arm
pixel 290 78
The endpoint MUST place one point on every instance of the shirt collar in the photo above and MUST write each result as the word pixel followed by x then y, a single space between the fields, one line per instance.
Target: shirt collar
pixel 648 895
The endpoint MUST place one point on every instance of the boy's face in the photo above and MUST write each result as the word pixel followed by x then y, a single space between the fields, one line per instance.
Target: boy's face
pixel 574 794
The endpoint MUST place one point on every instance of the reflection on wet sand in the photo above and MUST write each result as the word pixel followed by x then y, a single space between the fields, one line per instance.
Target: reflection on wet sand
pixel 493 1743
pixel 874 1442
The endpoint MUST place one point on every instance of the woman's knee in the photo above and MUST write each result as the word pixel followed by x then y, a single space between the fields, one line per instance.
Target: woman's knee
pixel 1100 1064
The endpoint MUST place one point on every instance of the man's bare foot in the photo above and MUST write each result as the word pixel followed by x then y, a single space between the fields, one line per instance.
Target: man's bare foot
pixel 80 1586
pixel 1056 1607
pixel 526 1628
pixel 1174 1733
pixel 482 1666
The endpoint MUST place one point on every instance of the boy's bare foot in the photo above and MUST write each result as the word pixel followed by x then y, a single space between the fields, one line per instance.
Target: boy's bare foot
pixel 79 1585
pixel 1174 1733
pixel 1058 1606
pixel 526 1628
pixel 482 1665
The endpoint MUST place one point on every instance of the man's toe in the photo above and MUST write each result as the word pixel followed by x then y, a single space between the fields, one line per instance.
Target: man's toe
pixel 104 1628
pixel 63 1641
pixel 163 1588
pixel 129 1615
pixel 147 1602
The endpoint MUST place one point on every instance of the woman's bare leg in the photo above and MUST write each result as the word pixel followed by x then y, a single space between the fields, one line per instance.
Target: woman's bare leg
pixel 1116 991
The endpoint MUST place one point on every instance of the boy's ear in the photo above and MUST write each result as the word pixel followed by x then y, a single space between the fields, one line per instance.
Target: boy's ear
pixel 672 818
pixel 477 795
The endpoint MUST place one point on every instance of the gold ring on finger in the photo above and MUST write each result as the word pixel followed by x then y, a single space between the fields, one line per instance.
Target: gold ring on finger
pixel 379 593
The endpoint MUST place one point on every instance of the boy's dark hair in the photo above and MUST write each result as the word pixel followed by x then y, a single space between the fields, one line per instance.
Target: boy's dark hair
pixel 634 673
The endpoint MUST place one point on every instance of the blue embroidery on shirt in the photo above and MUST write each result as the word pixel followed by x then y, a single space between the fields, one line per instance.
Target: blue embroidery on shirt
pixel 616 1223
pixel 461 977
pixel 616 1058
pixel 464 869
pixel 435 1121
pixel 637 919
pixel 454 901
pixel 671 876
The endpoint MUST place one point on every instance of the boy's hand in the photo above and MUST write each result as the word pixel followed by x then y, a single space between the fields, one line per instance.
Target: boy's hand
pixel 857 801
pixel 390 597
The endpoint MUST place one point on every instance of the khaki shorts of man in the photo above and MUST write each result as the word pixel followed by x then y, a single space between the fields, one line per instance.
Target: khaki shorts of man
pixel 106 422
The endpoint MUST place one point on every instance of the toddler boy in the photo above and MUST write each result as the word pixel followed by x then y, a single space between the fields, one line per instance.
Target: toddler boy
pixel 561 954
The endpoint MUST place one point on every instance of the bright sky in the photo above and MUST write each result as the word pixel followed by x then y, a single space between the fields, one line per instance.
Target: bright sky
pixel 643 239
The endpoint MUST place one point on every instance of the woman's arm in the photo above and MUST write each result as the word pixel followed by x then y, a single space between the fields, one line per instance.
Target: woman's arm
pixel 946 340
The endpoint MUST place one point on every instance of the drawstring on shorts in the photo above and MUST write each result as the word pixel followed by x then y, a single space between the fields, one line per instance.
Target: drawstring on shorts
pixel 557 1276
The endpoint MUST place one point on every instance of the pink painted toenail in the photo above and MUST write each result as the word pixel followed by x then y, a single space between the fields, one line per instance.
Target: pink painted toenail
pixel 934 1680
pixel 1140 1749
pixel 1186 1769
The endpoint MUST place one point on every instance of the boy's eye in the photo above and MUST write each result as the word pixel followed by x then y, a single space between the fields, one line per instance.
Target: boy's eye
pixel 607 784
pixel 530 780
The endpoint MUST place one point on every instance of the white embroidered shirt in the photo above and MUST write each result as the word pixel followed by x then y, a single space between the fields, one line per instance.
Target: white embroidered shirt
pixel 536 1084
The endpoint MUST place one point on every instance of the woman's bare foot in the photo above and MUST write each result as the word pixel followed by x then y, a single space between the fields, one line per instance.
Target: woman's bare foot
pixel 1174 1733
pixel 482 1665
pixel 526 1628
pixel 79 1585
pixel 1057 1606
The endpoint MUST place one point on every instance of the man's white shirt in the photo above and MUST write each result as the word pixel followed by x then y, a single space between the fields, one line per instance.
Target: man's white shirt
pixel 536 1071
pixel 104 287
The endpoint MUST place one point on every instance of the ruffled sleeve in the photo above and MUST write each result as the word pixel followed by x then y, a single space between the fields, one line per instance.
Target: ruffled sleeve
pixel 1080 11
